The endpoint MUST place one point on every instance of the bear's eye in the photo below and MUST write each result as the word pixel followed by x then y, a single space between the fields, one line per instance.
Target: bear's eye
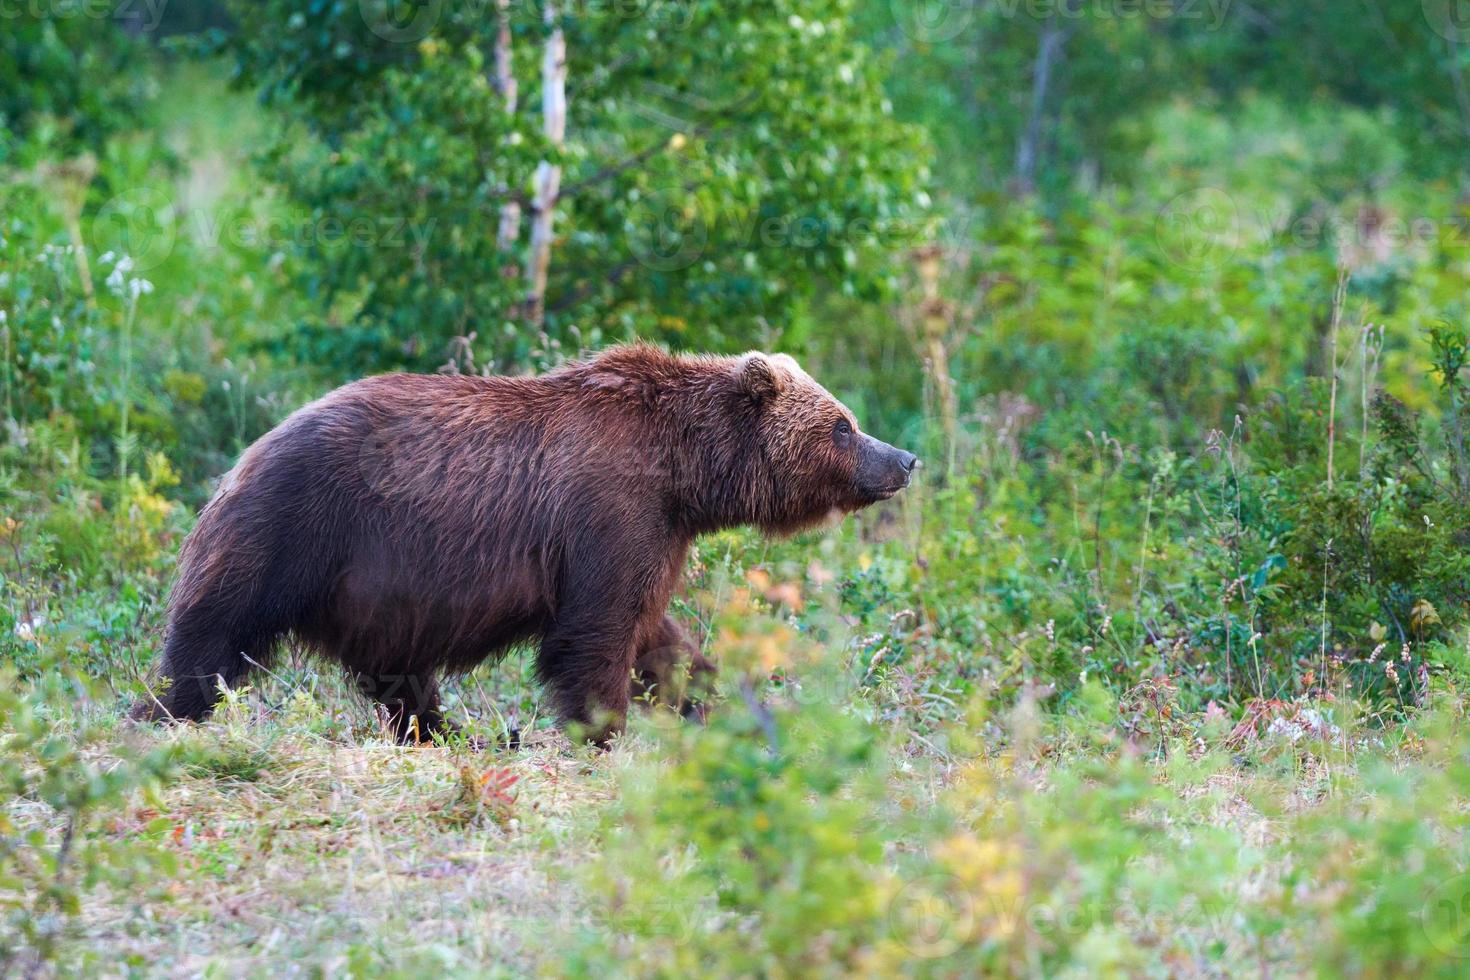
pixel 842 428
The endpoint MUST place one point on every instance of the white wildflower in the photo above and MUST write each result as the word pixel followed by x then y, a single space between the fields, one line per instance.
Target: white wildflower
pixel 26 629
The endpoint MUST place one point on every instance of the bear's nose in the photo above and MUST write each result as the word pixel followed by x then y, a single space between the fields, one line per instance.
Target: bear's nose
pixel 909 462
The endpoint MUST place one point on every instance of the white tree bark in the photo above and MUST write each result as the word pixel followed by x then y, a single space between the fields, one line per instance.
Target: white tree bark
pixel 505 84
pixel 1028 149
pixel 548 174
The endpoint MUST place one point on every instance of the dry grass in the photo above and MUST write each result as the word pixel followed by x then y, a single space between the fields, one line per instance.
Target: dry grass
pixel 337 857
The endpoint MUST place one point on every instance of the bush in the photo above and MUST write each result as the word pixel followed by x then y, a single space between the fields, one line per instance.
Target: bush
pixel 754 847
pixel 68 80
pixel 48 760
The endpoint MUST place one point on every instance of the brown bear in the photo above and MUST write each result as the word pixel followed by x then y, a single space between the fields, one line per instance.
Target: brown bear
pixel 412 525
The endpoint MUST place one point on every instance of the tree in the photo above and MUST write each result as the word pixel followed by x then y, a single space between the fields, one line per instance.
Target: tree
pixel 689 171
pixel 1032 95
pixel 69 80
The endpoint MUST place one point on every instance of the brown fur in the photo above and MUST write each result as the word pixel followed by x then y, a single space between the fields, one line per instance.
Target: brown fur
pixel 409 525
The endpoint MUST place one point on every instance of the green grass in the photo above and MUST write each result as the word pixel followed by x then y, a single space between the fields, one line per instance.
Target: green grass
pixel 352 855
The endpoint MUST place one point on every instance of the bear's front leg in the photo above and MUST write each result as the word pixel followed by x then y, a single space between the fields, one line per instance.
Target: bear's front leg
pixel 586 659
pixel 588 683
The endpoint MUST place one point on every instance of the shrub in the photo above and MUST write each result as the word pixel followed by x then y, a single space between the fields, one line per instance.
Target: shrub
pixel 48 760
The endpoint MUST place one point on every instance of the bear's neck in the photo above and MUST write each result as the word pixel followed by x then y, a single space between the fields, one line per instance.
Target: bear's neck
pixel 720 476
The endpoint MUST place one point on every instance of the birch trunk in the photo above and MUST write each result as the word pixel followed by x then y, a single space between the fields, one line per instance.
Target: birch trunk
pixel 548 174
pixel 1028 149
pixel 505 84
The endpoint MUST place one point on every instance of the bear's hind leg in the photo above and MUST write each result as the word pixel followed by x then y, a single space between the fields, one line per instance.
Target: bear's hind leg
pixel 670 670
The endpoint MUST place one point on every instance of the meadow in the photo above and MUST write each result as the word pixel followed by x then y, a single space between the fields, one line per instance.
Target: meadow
pixel 1154 671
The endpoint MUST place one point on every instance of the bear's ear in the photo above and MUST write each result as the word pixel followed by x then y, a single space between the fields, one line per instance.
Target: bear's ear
pixel 758 377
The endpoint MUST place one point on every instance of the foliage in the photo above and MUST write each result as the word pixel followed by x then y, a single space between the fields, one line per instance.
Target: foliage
pixel 48 759
pixel 701 212
pixel 753 848
pixel 68 82
pixel 1078 82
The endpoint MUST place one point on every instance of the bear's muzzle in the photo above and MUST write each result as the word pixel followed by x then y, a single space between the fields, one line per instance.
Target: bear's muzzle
pixel 883 470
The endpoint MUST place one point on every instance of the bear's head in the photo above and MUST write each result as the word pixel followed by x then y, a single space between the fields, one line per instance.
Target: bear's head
pixel 814 462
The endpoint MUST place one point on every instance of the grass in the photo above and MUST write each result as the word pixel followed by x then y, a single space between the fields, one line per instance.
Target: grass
pixel 342 856
pixel 1004 819
pixel 342 853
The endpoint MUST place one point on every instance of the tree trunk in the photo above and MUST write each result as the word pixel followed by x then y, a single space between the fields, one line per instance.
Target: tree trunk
pixel 505 84
pixel 1028 149
pixel 548 174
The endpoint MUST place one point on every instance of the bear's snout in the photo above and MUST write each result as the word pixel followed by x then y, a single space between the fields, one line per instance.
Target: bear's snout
pixel 883 470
